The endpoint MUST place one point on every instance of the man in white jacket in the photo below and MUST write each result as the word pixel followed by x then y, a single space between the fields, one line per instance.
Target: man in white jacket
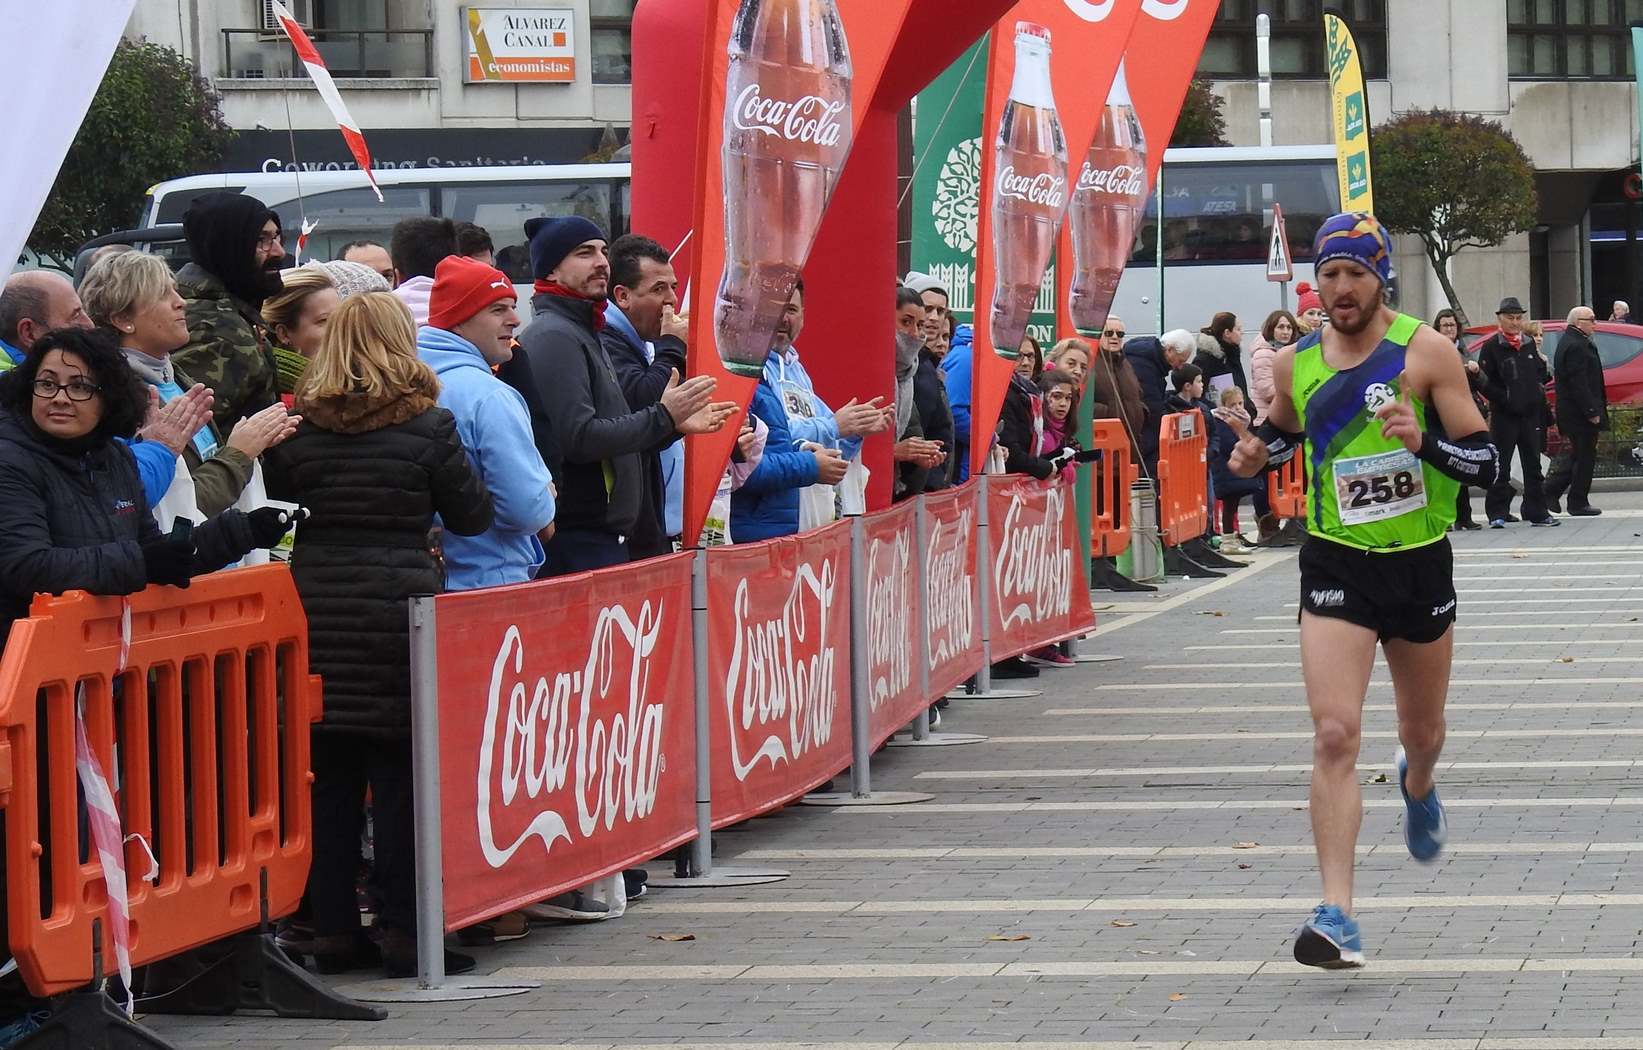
pixel 416 247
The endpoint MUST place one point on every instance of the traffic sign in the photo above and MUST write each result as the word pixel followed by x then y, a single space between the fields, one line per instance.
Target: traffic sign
pixel 1278 265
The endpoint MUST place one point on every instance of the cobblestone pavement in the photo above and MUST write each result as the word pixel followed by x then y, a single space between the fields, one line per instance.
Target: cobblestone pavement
pixel 1123 861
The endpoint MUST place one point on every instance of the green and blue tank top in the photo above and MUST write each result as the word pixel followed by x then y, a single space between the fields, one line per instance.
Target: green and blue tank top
pixel 1366 491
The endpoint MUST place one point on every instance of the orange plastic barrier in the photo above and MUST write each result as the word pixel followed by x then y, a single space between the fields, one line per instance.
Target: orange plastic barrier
pixel 1183 477
pixel 211 720
pixel 1114 473
pixel 1286 489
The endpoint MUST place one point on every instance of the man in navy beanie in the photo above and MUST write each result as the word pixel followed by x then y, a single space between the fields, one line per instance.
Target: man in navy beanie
pixel 580 418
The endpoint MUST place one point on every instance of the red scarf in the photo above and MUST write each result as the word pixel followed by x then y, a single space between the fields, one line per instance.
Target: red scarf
pixel 1516 341
pixel 555 288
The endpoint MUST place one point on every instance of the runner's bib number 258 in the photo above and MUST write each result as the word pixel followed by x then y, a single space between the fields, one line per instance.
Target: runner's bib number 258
pixel 1373 488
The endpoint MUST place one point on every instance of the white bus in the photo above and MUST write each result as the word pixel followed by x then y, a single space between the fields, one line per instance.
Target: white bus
pixel 1217 214
pixel 498 198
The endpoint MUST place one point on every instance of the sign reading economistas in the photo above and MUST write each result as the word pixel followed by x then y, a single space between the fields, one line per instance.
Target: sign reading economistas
pixel 519 45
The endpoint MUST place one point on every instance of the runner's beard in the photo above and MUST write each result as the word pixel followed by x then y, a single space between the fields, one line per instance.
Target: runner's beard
pixel 1363 316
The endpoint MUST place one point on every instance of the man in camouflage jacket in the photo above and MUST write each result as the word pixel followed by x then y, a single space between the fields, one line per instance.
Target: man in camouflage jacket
pixel 235 243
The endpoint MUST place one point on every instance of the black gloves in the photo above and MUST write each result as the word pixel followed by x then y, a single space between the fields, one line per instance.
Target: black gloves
pixel 169 559
pixel 1063 457
pixel 270 524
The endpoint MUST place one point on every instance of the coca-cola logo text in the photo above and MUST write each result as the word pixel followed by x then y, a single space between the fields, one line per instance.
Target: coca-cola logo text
pixel 1124 180
pixel 951 609
pixel 537 741
pixel 781 671
pixel 889 635
pixel 1045 189
pixel 809 118
pixel 1032 575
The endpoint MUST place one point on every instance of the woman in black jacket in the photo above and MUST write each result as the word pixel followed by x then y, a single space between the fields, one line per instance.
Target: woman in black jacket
pixel 72 510
pixel 374 460
pixel 1021 418
pixel 1221 352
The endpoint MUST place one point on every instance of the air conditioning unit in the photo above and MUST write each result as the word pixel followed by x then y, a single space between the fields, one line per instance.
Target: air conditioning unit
pixel 301 10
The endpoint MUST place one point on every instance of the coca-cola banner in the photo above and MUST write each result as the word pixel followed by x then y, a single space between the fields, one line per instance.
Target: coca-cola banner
pixel 889 545
pixel 787 84
pixel 1049 68
pixel 1121 166
pixel 778 665
pixel 951 586
pixel 1040 590
pixel 566 723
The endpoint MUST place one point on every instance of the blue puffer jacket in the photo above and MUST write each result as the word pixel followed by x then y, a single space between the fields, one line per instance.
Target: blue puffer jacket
pixel 767 504
pixel 959 364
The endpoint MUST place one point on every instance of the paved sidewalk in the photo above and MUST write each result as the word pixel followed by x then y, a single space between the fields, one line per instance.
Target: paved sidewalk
pixel 1123 861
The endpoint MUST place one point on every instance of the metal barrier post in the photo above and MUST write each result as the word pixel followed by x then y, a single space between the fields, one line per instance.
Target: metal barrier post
pixel 861 727
pixel 983 687
pixel 921 736
pixel 702 874
pixel 432 984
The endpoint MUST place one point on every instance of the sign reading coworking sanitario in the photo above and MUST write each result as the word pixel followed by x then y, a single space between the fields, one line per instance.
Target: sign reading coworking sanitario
pixel 1349 106
pixel 519 45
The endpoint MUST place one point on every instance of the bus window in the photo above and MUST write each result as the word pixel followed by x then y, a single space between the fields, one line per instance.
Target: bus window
pixel 172 205
pixel 349 215
pixel 1214 213
pixel 502 208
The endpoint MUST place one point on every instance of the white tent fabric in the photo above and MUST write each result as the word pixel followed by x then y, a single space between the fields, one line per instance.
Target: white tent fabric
pixel 54 56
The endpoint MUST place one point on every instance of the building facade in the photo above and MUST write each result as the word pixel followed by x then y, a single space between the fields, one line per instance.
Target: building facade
pixel 1557 74
pixel 433 82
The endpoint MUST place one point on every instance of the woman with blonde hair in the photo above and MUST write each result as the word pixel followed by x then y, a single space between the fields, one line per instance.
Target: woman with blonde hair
pixel 297 316
pixel 134 295
pixel 374 461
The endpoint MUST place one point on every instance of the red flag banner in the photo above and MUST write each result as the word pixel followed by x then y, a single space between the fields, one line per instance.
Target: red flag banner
pixel 1040 591
pixel 787 85
pixel 1109 199
pixel 778 668
pixel 951 581
pixel 1049 67
pixel 893 697
pixel 566 723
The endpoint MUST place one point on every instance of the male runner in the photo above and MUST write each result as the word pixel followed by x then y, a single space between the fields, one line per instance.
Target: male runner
pixel 1377 564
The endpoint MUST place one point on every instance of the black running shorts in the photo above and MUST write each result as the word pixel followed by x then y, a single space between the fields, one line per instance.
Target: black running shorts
pixel 1408 595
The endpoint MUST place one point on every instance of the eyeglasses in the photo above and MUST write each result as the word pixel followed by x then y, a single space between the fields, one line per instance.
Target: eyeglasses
pixel 77 389
pixel 268 240
pixel 1110 334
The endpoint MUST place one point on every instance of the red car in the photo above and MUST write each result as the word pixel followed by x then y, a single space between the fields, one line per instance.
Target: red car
pixel 1620 346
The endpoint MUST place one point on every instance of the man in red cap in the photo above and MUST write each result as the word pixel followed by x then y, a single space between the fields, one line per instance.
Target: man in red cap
pixel 470 327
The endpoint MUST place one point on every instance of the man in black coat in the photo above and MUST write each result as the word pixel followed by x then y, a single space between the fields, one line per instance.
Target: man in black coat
pixel 1153 360
pixel 1582 411
pixel 645 339
pixel 589 437
pixel 1512 375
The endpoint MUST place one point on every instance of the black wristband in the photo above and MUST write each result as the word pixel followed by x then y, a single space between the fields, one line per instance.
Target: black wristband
pixel 1281 445
pixel 1471 460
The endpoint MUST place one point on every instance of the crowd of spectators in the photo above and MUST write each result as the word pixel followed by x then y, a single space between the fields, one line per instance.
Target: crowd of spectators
pixel 155 426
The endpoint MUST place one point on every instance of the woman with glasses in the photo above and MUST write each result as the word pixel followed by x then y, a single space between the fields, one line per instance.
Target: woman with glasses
pixel 72 508
pixel 133 294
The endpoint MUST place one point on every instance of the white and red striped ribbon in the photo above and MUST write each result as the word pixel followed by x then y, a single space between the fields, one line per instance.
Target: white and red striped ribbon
pixel 327 88
pixel 103 819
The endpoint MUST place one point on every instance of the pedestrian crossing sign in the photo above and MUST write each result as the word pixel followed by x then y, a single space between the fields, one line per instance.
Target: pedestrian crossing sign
pixel 1278 265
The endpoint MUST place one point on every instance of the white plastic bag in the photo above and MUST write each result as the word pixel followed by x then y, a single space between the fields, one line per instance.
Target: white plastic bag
pixel 853 489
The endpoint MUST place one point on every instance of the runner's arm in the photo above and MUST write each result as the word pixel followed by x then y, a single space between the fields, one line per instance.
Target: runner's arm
pixel 1277 440
pixel 1436 373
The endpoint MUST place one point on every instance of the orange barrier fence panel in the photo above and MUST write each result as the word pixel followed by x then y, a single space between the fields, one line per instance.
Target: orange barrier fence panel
pixel 204 738
pixel 1114 473
pixel 1286 489
pixel 1183 477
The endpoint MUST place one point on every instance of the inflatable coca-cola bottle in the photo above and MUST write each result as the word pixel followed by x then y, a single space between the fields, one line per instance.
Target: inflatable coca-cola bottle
pixel 1030 189
pixel 787 127
pixel 1108 202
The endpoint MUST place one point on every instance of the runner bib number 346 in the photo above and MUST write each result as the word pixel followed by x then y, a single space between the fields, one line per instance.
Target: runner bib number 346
pixel 1373 488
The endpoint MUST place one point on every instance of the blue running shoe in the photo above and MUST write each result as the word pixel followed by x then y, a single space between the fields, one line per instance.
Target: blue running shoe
pixel 1329 940
pixel 1424 826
